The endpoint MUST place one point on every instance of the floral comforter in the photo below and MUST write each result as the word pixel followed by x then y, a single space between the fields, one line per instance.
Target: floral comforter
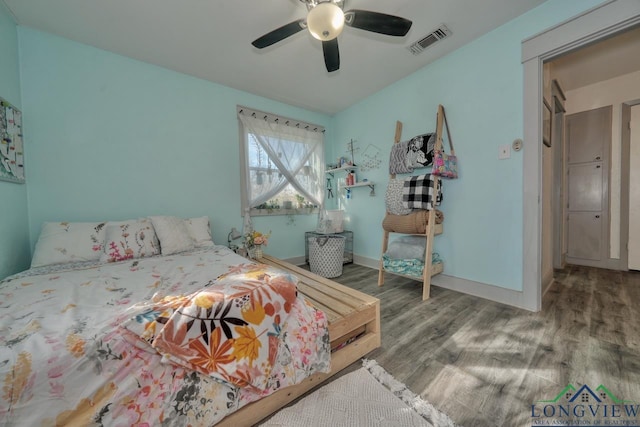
pixel 178 340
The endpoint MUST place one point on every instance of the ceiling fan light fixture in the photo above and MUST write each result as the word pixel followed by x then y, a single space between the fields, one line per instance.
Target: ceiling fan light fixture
pixel 325 21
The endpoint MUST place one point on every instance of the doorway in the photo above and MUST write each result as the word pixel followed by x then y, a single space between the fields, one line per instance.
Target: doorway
pixel 595 24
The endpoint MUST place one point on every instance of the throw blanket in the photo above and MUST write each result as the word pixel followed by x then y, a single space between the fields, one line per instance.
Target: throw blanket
pixel 414 223
pixel 237 317
pixel 418 193
pixel 415 153
pixel 420 150
pixel 408 267
pixel 398 158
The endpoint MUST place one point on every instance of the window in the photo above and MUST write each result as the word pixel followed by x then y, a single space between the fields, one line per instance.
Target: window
pixel 282 164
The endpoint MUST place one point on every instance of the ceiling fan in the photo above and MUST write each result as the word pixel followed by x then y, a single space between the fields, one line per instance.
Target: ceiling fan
pixel 325 22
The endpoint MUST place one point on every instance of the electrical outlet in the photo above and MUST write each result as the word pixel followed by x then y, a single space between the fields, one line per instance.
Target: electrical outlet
pixel 504 152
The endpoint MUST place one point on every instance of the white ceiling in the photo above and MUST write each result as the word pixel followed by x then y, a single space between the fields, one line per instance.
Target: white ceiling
pixel 605 60
pixel 212 40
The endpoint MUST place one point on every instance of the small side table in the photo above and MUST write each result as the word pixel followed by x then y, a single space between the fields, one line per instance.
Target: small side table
pixel 348 244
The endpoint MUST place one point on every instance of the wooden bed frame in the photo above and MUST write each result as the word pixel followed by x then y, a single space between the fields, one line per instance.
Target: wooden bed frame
pixel 351 314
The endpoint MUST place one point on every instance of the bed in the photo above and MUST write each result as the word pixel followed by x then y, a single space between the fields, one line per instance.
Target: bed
pixel 112 343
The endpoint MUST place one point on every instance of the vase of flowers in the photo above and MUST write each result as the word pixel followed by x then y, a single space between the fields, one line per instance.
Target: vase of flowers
pixel 254 241
pixel 256 252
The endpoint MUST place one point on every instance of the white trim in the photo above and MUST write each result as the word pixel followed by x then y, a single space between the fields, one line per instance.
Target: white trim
pixel 367 262
pixel 298 260
pixel 532 185
pixel 470 287
pixel 481 290
pixel 592 25
pixel 547 281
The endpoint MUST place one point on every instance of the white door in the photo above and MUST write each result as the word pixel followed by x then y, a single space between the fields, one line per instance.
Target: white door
pixel 634 191
pixel 588 138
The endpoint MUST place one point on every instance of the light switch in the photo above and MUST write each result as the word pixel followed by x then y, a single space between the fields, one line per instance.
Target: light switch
pixel 504 152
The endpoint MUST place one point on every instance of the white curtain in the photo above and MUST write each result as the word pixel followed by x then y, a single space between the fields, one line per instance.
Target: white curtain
pixel 289 154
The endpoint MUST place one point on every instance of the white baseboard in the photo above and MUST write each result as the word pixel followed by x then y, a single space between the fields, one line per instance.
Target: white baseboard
pixel 367 262
pixel 298 260
pixel 547 281
pixel 478 289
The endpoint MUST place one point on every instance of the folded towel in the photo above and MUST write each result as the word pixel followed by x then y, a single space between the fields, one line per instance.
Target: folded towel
pixel 414 223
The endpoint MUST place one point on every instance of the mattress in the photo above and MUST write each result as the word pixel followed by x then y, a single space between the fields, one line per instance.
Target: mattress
pixel 184 339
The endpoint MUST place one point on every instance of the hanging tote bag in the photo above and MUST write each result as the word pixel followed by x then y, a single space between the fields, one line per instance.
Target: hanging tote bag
pixel 445 165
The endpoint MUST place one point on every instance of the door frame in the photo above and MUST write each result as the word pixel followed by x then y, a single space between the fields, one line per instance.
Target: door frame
pixel 625 182
pixel 591 26
pixel 558 201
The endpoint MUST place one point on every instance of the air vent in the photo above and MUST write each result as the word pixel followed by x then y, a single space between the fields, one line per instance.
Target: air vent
pixel 430 39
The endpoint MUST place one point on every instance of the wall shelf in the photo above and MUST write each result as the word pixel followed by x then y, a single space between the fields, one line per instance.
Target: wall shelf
pixel 369 184
pixel 343 168
pixel 347 168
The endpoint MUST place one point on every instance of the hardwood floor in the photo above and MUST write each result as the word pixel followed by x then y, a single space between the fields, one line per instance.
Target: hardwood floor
pixel 485 364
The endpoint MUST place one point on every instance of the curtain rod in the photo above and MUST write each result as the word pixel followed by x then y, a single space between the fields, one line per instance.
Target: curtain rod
pixel 278 119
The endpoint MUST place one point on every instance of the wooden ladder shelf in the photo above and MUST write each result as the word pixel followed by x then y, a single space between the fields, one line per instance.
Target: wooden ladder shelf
pixel 429 269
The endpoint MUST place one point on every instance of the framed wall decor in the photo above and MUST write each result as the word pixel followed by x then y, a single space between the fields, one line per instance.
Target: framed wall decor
pixel 11 144
pixel 546 123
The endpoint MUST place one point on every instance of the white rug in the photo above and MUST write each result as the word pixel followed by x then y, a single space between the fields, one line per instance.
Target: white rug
pixel 367 397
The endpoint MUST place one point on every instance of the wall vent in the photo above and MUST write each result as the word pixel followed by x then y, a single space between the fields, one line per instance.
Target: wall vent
pixel 440 33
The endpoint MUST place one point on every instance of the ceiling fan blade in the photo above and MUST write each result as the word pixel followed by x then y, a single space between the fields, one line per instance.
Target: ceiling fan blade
pixel 377 22
pixel 331 55
pixel 279 34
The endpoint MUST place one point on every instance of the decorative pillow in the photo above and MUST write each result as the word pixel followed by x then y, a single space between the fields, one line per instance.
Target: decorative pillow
pixel 63 242
pixel 130 239
pixel 393 198
pixel 173 234
pixel 200 231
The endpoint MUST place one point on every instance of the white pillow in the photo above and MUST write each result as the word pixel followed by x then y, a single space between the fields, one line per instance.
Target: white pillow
pixel 200 231
pixel 173 234
pixel 129 239
pixel 63 242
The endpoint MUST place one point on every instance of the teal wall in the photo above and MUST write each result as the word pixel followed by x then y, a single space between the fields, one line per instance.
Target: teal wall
pixel 481 87
pixel 112 138
pixel 14 228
